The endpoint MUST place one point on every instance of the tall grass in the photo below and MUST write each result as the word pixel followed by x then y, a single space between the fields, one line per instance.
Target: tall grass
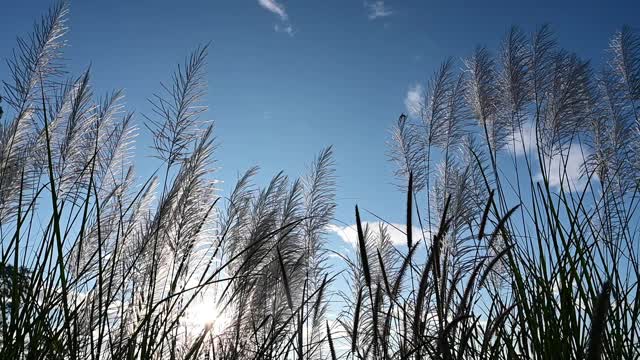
pixel 99 264
pixel 528 162
pixel 520 171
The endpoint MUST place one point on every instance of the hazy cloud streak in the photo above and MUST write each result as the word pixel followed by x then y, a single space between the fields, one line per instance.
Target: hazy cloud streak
pixel 278 9
pixel 274 7
pixel 377 9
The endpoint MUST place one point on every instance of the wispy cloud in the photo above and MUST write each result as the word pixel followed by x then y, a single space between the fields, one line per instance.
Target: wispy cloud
pixel 285 28
pixel 349 234
pixel 412 100
pixel 377 9
pixel 275 7
pixel 278 9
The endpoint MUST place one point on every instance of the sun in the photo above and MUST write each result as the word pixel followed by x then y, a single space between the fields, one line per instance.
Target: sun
pixel 203 314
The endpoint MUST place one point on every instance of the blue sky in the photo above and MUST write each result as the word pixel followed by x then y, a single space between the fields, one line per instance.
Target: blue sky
pixel 288 78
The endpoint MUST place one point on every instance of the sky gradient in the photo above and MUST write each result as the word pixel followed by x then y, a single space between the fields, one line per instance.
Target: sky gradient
pixel 288 78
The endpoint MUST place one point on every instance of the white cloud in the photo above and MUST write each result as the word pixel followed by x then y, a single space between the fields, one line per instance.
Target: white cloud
pixel 523 141
pixel 377 9
pixel 278 9
pixel 413 99
pixel 349 234
pixel 570 177
pixel 275 7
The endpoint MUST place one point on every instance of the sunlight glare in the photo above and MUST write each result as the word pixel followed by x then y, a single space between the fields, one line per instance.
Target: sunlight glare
pixel 202 314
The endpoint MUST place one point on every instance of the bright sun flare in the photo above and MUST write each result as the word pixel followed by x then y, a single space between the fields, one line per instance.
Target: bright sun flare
pixel 203 314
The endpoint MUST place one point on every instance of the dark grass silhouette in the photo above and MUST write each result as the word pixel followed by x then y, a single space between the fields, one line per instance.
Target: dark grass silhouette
pixel 516 256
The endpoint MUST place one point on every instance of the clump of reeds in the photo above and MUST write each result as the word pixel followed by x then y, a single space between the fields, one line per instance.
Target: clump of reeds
pixel 96 265
pixel 528 163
